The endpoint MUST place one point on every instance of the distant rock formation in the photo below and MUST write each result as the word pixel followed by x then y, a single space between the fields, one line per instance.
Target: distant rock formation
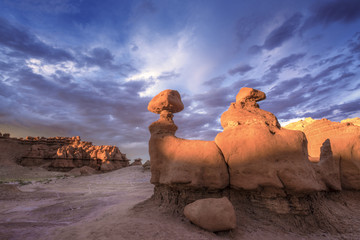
pixel 137 162
pixel 146 165
pixel 254 157
pixel 64 153
pixel 344 141
pixel 355 121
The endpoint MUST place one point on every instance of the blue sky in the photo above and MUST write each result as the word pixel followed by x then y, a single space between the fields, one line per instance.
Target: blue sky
pixel 89 68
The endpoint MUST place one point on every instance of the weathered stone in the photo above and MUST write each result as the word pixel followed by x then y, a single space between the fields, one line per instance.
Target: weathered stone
pixel 250 95
pixel 345 145
pixel 261 154
pixel 63 153
pixel 175 161
pixel 168 100
pixel 212 214
pixel 147 165
pixel 137 162
pixel 192 163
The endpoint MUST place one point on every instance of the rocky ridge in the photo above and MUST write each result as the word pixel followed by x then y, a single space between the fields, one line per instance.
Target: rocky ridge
pixel 65 153
pixel 344 141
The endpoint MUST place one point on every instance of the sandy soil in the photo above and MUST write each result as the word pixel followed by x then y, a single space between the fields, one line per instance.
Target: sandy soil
pixel 117 205
pixel 38 204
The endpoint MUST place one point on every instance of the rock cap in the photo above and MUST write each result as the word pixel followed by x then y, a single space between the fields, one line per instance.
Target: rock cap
pixel 168 100
pixel 250 94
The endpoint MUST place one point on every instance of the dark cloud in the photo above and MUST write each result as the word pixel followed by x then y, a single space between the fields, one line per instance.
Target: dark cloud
pixel 215 82
pixel 329 70
pixel 283 33
pixel 241 69
pixel 286 62
pixel 100 57
pixel 287 87
pixel 23 42
pixel 51 7
pixel 103 58
pixel 245 26
pixel 327 12
pixel 255 49
pixel 354 45
pixel 327 60
pixel 146 6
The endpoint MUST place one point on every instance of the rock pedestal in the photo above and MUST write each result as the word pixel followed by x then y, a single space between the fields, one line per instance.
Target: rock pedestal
pixel 176 161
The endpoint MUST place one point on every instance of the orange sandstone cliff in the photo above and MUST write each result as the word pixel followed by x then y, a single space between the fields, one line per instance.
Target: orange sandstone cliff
pixel 344 140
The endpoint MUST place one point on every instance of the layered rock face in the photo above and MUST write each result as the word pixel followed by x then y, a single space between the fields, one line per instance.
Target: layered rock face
pixel 259 152
pixel 62 153
pixel 344 141
pixel 253 152
pixel 176 161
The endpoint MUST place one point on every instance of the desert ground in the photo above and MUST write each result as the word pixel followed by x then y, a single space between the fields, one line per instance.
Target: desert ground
pixel 118 205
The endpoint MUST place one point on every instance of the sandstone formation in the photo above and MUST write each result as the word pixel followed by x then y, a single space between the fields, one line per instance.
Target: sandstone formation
pixel 137 162
pixel 344 139
pixel 212 214
pixel 64 154
pixel 176 161
pixel 253 158
pixel 355 121
pixel 146 165
pixel 259 152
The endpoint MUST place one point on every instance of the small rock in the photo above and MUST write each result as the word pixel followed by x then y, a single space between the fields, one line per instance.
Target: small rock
pixel 146 165
pixel 212 214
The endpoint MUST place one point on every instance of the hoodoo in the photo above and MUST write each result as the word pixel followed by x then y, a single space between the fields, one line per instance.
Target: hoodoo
pixel 253 158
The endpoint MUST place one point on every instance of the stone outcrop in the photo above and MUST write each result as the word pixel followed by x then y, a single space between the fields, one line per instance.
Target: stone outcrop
pixel 176 161
pixel 212 214
pixel 252 152
pixel 259 152
pixel 254 159
pixel 344 140
pixel 355 121
pixel 137 162
pixel 64 154
pixel 146 165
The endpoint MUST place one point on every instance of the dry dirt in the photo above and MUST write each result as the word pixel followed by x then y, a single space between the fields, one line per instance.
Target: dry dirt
pixel 117 205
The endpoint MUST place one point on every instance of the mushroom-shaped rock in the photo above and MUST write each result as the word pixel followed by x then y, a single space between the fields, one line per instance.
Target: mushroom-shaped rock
pixel 260 153
pixel 212 214
pixel 250 94
pixel 168 100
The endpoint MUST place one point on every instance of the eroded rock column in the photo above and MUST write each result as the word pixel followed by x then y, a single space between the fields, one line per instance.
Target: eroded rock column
pixel 179 162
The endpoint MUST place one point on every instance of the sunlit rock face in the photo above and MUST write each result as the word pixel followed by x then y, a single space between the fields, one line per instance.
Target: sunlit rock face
pixel 181 162
pixel 259 152
pixel 344 139
pixel 355 121
pixel 66 153
pixel 253 151
pixel 254 161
